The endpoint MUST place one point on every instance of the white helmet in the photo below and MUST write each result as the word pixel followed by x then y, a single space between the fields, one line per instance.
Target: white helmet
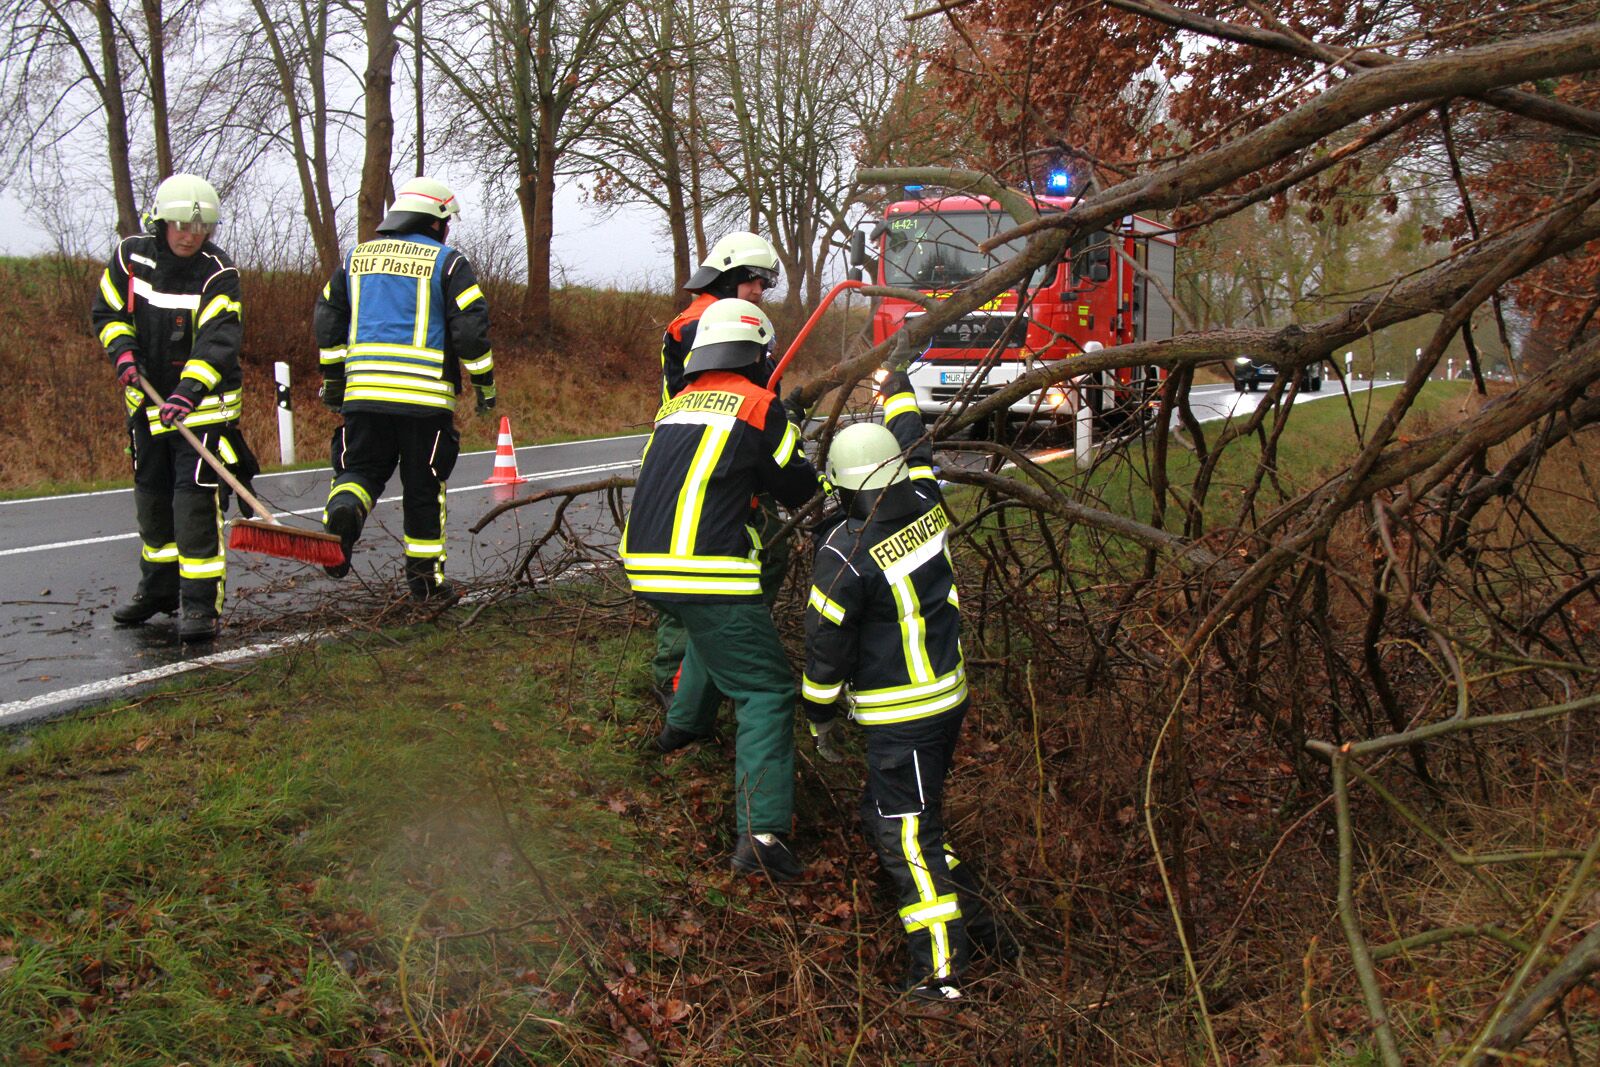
pixel 424 197
pixel 731 334
pixel 865 456
pixel 750 251
pixel 187 200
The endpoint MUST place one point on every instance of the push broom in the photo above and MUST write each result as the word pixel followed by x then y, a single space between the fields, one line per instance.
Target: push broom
pixel 263 533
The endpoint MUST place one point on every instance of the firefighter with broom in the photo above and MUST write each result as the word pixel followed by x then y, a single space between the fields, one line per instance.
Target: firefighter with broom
pixel 392 324
pixel 168 309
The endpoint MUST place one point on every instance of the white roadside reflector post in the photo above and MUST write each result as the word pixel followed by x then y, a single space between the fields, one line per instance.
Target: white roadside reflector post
pixel 1349 357
pixel 1083 436
pixel 280 375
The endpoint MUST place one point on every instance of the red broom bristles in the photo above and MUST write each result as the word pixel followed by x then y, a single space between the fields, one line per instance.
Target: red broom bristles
pixel 286 542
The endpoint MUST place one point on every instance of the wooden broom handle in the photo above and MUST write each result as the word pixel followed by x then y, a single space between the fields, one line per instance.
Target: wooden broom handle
pixel 262 512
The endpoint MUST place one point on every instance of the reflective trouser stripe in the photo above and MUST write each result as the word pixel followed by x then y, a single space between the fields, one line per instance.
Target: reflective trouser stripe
pixel 422 548
pixel 167 553
pixel 354 490
pixel 932 912
pixel 208 567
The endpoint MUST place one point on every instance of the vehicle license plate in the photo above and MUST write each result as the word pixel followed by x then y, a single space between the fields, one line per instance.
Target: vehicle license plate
pixel 953 377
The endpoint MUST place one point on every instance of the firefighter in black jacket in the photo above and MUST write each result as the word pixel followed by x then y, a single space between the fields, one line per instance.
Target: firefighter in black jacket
pixel 392 324
pixel 691 549
pixel 883 622
pixel 741 265
pixel 169 308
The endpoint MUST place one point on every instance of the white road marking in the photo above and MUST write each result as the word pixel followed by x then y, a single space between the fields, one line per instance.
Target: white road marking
pixel 599 468
pixel 307 470
pixel 25 709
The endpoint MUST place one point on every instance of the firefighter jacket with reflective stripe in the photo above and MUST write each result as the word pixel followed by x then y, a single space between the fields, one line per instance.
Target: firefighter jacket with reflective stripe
pixel 181 319
pixel 691 534
pixel 677 341
pixel 393 321
pixel 883 618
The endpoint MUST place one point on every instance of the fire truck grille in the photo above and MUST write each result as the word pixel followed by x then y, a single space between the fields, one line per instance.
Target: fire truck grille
pixel 944 394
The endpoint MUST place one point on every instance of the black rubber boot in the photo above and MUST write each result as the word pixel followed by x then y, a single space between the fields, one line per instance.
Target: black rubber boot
pixel 143 608
pixel 195 629
pixel 670 739
pixel 345 524
pixel 756 853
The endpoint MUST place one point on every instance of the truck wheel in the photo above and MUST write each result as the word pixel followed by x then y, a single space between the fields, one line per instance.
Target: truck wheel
pixel 1238 385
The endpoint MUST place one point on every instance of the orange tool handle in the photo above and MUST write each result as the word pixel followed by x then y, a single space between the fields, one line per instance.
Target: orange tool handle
pixel 805 331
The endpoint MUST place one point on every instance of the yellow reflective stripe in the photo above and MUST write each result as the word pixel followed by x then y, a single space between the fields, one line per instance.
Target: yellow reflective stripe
pixel 424 548
pixel 327 289
pixel 109 291
pixel 399 396
pixel 326 356
pixel 829 609
pixel 212 409
pixel 953 598
pixel 379 350
pixel 419 328
pixel 475 293
pixel 167 553
pixel 821 694
pixel 913 630
pixel 656 583
pixel 692 497
pixel 113 330
pixel 654 562
pixel 899 404
pixel 201 372
pixel 207 567
pixel 389 378
pixel 924 472
pixel 225 450
pixel 909 712
pixel 785 448
pixel 482 365
pixel 218 305
pixel 920 915
pixel 354 490
pixel 900 694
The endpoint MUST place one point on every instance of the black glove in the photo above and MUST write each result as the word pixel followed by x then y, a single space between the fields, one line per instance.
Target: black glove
pixel 127 370
pixel 486 399
pixel 895 383
pixel 332 393
pixel 795 411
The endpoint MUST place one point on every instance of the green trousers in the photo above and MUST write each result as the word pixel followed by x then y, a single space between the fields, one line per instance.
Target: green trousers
pixel 671 641
pixel 734 650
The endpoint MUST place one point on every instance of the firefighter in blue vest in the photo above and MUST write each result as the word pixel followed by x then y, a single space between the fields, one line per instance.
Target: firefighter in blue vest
pixel 883 635
pixel 392 324
pixel 169 308
pixel 744 266
pixel 692 550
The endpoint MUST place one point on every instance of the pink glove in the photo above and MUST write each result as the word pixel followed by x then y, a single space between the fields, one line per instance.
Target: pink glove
pixel 127 370
pixel 175 409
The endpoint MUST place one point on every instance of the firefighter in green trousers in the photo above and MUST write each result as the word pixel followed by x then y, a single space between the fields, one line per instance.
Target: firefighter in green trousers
pixel 691 550
pixel 169 309
pixel 743 266
pixel 393 323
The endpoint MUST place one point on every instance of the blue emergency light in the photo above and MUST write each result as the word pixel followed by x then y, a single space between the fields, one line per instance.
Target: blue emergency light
pixel 1059 181
pixel 913 188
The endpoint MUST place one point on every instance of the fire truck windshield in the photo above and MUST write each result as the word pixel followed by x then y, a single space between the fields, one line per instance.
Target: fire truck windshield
pixel 932 250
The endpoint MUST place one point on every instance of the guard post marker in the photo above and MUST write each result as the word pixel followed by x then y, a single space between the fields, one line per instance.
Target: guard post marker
pixel 280 376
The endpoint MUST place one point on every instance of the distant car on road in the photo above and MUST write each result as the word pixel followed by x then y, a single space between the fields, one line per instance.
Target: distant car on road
pixel 1249 374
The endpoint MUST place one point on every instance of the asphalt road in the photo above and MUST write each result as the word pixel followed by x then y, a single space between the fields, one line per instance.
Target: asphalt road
pixel 66 561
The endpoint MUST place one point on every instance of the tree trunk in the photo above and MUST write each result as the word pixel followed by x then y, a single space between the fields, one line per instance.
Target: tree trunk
pixel 418 82
pixel 377 186
pixel 536 300
pixel 116 122
pixel 155 27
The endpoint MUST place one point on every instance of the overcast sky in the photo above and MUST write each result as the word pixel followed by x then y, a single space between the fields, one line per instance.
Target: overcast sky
pixel 626 250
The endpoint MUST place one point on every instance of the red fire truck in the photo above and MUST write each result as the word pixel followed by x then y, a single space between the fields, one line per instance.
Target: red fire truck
pixel 1090 298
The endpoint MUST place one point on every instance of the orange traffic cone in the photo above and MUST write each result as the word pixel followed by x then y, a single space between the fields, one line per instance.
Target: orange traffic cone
pixel 505 458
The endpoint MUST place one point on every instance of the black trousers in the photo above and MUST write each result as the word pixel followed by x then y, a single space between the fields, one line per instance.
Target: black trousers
pixel 366 450
pixel 179 509
pixel 902 815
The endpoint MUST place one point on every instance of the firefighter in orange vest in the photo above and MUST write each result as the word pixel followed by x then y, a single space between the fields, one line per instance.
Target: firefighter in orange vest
pixel 741 266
